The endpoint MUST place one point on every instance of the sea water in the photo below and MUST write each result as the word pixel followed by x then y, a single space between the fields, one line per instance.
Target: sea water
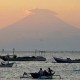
pixel 67 71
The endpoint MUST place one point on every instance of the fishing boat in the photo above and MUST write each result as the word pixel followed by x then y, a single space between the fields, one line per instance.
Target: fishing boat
pixel 36 75
pixel 3 64
pixel 23 58
pixel 67 60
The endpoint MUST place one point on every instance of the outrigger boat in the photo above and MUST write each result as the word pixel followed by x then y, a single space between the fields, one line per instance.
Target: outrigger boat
pixel 37 76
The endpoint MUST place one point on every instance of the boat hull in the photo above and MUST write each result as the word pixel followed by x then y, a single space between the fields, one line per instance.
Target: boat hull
pixel 59 60
pixel 26 58
pixel 36 76
pixel 6 65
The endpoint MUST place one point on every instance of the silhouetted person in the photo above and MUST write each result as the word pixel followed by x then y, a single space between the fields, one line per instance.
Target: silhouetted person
pixel 40 72
pixel 50 71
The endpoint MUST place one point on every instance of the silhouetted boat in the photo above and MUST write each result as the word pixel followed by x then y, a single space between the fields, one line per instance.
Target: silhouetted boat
pixel 67 60
pixel 24 58
pixel 6 64
pixel 37 75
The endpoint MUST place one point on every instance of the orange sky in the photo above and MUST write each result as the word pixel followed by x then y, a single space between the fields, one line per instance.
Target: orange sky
pixel 14 10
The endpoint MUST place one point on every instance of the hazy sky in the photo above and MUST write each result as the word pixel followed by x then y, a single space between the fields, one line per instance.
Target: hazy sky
pixel 53 24
pixel 14 10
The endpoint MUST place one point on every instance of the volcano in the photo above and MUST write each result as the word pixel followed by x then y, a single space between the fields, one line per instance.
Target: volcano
pixel 41 30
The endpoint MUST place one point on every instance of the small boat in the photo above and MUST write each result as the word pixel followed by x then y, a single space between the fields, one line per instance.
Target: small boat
pixel 24 58
pixel 67 60
pixel 6 64
pixel 36 75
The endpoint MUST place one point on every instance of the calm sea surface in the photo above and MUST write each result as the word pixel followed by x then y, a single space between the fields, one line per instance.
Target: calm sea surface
pixel 67 71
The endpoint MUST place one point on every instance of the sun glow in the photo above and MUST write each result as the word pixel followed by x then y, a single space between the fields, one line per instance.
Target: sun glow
pixel 14 10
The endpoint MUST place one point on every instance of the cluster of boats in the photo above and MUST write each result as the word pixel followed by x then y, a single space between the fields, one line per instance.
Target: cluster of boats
pixel 35 75
pixel 9 58
pixel 39 75
pixel 32 58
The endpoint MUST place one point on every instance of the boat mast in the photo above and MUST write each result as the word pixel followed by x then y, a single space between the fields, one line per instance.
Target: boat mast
pixel 13 50
pixel 2 51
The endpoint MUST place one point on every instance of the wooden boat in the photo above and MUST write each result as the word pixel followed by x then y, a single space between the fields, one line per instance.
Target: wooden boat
pixel 24 58
pixel 37 76
pixel 67 60
pixel 6 64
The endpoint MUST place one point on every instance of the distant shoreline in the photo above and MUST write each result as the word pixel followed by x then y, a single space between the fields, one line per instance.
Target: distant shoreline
pixel 38 51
